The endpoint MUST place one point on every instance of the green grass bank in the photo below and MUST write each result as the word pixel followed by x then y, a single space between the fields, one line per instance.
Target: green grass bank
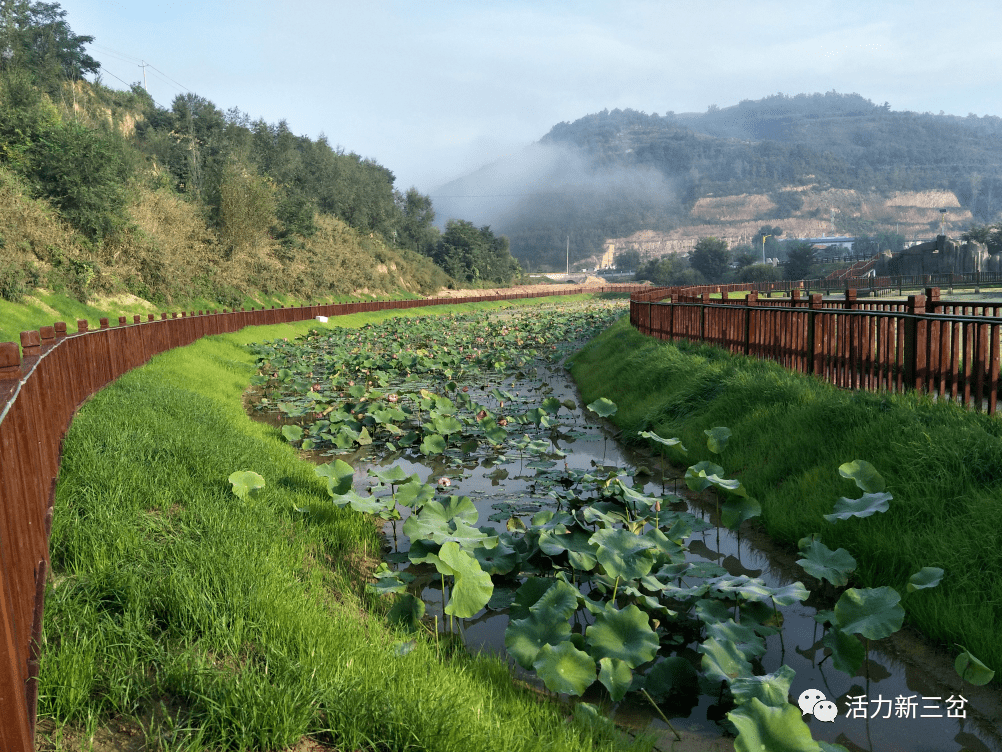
pixel 791 432
pixel 211 622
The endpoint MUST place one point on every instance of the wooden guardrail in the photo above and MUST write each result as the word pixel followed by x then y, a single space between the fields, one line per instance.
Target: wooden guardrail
pixel 946 348
pixel 42 383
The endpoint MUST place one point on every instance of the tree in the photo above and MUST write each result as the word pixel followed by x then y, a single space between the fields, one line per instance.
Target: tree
pixel 710 257
pixel 759 273
pixel 415 230
pixel 627 260
pixel 744 255
pixel 473 254
pixel 670 271
pixel 799 259
pixel 36 37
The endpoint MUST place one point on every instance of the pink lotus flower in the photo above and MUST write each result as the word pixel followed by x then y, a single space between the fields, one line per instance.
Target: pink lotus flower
pixel 392 398
pixel 443 481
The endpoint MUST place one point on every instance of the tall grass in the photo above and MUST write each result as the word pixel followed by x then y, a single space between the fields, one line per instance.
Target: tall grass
pixel 215 623
pixel 942 463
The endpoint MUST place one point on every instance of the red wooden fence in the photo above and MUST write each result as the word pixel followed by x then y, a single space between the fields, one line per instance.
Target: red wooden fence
pixel 39 392
pixel 949 349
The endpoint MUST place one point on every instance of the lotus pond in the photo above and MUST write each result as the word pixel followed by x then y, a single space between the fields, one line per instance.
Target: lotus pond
pixel 515 523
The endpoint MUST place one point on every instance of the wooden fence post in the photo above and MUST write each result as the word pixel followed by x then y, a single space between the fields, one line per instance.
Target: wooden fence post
pixel 814 365
pixel 931 299
pixel 914 356
pixel 751 301
pixel 704 300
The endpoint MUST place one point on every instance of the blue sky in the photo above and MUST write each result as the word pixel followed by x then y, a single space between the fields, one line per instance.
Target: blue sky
pixel 435 89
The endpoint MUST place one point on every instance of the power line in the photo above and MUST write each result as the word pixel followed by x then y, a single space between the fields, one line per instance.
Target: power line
pixel 170 79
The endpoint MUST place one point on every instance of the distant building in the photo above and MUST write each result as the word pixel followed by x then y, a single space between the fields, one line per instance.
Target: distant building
pixel 842 241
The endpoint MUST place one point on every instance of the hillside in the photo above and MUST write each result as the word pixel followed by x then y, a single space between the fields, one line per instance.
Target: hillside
pixel 786 160
pixel 107 195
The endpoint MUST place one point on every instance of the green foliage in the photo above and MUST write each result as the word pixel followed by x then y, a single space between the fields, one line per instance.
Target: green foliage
pixel 245 482
pixel 760 273
pixel 926 577
pixel 13 281
pixel 779 728
pixel 246 209
pixel 414 228
pixel 627 260
pixel 799 260
pixel 710 258
pixel 874 613
pixel 83 172
pixel 474 254
pixel 35 37
pixel 670 270
pixel 971 669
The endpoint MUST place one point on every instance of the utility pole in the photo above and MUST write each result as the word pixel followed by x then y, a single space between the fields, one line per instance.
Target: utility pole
pixel 143 66
pixel 763 246
pixel 568 270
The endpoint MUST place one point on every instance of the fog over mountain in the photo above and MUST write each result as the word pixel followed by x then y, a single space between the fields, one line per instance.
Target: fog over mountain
pixel 610 174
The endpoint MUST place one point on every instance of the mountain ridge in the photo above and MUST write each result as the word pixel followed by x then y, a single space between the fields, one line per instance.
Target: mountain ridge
pixel 614 173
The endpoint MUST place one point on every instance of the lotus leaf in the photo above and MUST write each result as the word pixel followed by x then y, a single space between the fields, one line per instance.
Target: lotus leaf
pixel 624 634
pixel 393 475
pixel 472 587
pixel 723 661
pixel 623 554
pixel 717 438
pixel 432 444
pixel 821 562
pixel 581 551
pixel 407 611
pixel 501 559
pixel 926 577
pixel 525 637
pixel 734 511
pixel 971 669
pixel 866 476
pixel 446 424
pixel 501 598
pixel 564 668
pixel 390 582
pixel 671 676
pixel 874 613
pixel 776 729
pixel 551 405
pixel 666 442
pixel 528 593
pixel 292 433
pixel 704 474
pixel 772 689
pixel 615 676
pixel 749 643
pixel 415 494
pixel 788 594
pixel 753 589
pixel 710 610
pixel 245 482
pixel 606 512
pixel 603 407
pixel 848 653
pixel 423 551
pixel 866 505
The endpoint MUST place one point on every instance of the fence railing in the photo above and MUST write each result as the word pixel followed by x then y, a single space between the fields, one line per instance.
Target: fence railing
pixel 42 383
pixel 946 348
pixel 864 286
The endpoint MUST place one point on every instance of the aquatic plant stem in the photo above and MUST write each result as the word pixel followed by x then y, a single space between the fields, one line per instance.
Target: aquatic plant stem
pixel 663 717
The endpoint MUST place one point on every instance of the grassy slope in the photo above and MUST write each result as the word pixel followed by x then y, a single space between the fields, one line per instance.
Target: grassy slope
pixel 942 464
pixel 245 619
